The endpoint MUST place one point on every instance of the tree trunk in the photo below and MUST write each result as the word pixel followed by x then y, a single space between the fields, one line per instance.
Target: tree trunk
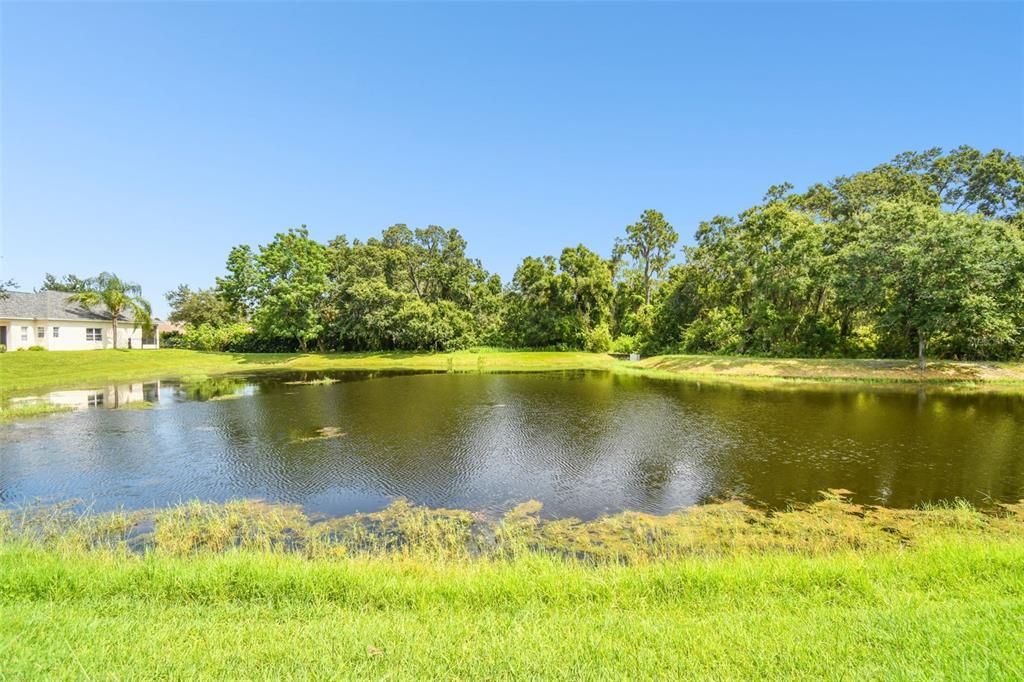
pixel 647 281
pixel 922 346
pixel 113 322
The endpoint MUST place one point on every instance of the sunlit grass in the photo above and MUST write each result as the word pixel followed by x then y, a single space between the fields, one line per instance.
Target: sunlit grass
pixel 253 591
pixel 833 370
pixel 23 372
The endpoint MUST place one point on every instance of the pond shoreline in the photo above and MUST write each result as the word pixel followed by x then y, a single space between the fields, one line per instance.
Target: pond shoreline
pixel 21 373
pixel 715 591
pixel 834 524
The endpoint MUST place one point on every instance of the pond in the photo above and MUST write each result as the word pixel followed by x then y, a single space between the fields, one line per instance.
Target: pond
pixel 584 444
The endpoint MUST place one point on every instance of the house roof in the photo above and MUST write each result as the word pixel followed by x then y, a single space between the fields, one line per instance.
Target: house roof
pixel 167 326
pixel 51 305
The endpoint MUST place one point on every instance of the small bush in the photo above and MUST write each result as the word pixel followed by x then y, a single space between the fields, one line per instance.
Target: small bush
pixel 625 344
pixel 3 348
pixel 254 343
pixel 171 339
pixel 209 337
pixel 36 348
pixel 598 339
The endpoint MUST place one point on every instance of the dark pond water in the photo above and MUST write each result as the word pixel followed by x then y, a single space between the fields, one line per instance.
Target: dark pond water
pixel 584 444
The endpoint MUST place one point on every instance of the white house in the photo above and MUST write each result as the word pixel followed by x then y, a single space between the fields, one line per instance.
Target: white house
pixel 50 320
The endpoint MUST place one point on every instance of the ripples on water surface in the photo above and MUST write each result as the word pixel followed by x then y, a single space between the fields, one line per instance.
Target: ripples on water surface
pixel 584 444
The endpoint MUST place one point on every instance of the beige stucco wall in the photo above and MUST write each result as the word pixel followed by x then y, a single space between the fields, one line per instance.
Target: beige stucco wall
pixel 71 335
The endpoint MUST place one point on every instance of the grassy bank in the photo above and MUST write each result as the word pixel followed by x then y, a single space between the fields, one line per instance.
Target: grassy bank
pixel 946 612
pixel 25 372
pixel 22 372
pixel 834 591
pixel 809 370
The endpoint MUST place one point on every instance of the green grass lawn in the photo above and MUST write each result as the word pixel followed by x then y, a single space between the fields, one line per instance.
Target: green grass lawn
pixel 26 371
pixel 950 611
pixel 254 591
pixel 22 372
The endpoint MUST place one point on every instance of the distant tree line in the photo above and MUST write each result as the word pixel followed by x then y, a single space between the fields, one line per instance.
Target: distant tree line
pixel 920 256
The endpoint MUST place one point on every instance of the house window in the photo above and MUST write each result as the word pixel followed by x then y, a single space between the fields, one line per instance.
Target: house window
pixel 93 334
pixel 40 332
pixel 24 333
pixel 56 332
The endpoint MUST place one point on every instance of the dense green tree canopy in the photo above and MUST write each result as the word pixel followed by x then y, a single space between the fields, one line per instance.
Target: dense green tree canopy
pixel 564 303
pixel 648 248
pixel 842 269
pixel 202 306
pixel 924 275
pixel 920 255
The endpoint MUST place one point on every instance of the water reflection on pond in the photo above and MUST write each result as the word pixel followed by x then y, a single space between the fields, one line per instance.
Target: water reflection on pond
pixel 582 443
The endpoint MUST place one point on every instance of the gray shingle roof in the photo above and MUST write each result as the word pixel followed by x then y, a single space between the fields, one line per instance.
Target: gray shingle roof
pixel 50 305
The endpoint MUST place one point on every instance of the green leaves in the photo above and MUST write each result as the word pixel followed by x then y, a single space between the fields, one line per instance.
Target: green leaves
pixel 648 246
pixel 565 303
pixel 931 276
pixel 195 308
pixel 291 286
pixel 923 252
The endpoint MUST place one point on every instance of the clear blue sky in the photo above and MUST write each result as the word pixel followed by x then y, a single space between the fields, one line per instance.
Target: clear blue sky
pixel 147 139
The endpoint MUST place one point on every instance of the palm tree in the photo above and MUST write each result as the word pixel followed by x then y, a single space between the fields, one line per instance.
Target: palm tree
pixel 118 297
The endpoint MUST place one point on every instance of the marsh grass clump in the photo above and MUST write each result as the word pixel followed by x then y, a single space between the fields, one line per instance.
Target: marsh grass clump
pixel 830 526
pixel 407 530
pixel 201 387
pixel 323 433
pixel 66 527
pixel 198 527
pixel 323 381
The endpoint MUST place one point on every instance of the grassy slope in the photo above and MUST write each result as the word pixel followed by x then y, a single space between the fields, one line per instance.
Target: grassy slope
pixel 246 590
pixel 953 611
pixel 21 372
pixel 884 371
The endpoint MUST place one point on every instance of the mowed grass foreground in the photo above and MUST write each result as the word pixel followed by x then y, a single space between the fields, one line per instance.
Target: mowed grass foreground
pixel 26 371
pixel 244 591
pixel 948 612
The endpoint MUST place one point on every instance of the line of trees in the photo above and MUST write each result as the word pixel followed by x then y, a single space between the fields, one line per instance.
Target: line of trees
pixel 920 256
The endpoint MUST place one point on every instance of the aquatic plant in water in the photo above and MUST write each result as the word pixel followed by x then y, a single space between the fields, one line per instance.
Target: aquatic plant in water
pixel 834 524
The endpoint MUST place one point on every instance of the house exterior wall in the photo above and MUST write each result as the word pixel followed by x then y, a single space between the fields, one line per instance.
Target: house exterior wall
pixel 71 334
